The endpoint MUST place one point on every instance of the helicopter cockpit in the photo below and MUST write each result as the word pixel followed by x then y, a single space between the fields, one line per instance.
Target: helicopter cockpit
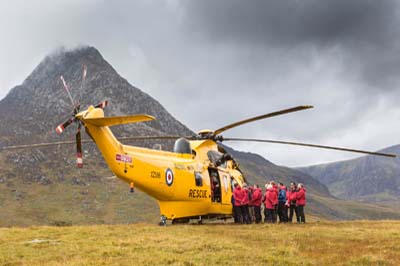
pixel 219 159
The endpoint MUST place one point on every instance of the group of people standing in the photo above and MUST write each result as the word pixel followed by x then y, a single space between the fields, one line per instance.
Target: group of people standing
pixel 277 201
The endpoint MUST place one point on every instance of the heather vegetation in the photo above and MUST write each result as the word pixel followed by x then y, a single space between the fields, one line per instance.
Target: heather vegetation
pixel 315 243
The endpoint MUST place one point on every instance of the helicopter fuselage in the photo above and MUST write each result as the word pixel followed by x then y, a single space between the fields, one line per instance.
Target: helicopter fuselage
pixel 180 182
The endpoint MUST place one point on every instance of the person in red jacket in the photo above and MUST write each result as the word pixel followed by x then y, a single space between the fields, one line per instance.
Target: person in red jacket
pixel 251 207
pixel 238 202
pixel 276 190
pixel 245 205
pixel 270 201
pixel 300 203
pixel 292 201
pixel 256 202
pixel 263 201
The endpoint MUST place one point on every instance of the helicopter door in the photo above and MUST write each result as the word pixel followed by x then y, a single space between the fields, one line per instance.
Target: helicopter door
pixel 215 184
pixel 225 188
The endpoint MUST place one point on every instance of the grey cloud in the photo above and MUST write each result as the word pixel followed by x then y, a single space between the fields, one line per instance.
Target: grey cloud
pixel 290 22
pixel 365 31
pixel 213 62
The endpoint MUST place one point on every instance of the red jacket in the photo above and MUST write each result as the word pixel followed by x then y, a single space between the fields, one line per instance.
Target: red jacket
pixel 275 188
pixel 256 197
pixel 301 197
pixel 292 197
pixel 270 199
pixel 245 196
pixel 238 195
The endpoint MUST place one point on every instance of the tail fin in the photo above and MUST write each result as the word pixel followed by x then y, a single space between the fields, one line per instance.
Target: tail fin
pixel 117 120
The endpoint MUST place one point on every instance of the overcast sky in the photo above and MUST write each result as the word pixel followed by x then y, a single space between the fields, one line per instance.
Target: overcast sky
pixel 212 62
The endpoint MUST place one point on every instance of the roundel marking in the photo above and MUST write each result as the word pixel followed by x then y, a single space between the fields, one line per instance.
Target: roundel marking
pixel 169 177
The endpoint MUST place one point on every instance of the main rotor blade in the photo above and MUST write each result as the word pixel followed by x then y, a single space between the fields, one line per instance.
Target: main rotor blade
pixel 256 118
pixel 311 145
pixel 68 142
pixel 40 145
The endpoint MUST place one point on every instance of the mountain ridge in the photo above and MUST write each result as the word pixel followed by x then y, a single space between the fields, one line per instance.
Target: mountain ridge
pixel 367 178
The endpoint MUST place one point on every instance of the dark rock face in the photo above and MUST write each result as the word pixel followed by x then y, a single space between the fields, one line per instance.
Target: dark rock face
pixel 32 110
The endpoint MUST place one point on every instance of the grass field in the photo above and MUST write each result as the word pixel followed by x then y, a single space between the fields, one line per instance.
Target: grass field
pixel 316 243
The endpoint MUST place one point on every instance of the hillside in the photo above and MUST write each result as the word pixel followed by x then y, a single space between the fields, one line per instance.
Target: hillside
pixel 323 243
pixel 43 186
pixel 368 178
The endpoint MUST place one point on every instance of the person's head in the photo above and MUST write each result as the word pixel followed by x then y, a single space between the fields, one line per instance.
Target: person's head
pixel 279 186
pixel 266 185
pixel 255 186
pixel 269 186
pixel 272 182
pixel 292 185
pixel 244 185
pixel 235 185
pixel 300 185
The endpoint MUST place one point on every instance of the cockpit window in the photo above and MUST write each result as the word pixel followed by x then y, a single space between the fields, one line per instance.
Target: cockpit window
pixel 182 145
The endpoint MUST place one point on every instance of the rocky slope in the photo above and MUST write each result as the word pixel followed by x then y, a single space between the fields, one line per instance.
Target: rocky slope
pixel 368 178
pixel 35 107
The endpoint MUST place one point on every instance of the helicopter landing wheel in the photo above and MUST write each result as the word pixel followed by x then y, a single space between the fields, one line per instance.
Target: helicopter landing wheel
pixel 163 221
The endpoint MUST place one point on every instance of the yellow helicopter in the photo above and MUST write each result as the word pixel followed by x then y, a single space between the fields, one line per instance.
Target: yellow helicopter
pixel 195 181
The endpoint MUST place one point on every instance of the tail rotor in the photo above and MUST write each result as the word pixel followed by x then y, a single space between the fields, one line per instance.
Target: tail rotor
pixel 73 119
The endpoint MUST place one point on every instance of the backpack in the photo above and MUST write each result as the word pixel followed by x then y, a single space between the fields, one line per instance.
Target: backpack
pixel 282 195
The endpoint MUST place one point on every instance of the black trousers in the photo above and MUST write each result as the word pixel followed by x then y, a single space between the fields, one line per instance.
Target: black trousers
pixel 275 214
pixel 269 215
pixel 300 213
pixel 293 210
pixel 251 213
pixel 282 212
pixel 265 214
pixel 257 213
pixel 245 214
pixel 238 214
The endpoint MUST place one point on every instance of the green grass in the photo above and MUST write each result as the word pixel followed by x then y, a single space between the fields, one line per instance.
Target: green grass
pixel 317 243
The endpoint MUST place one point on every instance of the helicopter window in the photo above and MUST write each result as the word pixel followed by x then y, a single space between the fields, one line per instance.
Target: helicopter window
pixel 198 178
pixel 214 156
pixel 182 145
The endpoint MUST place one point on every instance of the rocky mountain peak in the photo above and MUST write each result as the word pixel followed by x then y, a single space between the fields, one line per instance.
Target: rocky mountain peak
pixel 63 61
pixel 25 110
